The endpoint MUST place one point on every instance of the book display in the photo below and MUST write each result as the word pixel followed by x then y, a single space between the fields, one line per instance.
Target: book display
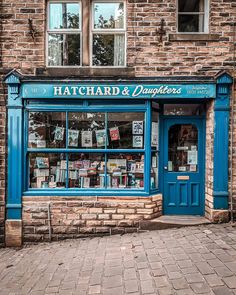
pixel 47 171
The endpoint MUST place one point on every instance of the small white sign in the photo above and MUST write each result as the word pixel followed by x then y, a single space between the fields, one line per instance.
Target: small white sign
pixel 137 127
pixel 138 141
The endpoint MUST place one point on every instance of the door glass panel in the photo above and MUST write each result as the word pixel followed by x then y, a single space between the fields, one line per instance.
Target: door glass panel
pixel 184 109
pixel 183 148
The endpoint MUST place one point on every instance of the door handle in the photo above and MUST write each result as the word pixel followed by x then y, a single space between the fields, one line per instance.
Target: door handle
pixel 165 168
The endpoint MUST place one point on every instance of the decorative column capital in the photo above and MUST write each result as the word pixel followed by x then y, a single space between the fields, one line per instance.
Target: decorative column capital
pixel 13 80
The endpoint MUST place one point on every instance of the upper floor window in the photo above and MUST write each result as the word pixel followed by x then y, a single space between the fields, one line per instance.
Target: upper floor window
pixel 88 33
pixel 193 16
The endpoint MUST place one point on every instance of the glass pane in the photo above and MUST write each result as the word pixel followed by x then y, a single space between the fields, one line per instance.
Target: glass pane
pixel 47 170
pixel 183 148
pixel 47 130
pixel 108 15
pixel 64 16
pixel 126 130
pixel 64 49
pixel 155 130
pixel 191 5
pixel 86 130
pixel 86 171
pixel 184 109
pixel 108 50
pixel 125 171
pixel 191 23
pixel 154 170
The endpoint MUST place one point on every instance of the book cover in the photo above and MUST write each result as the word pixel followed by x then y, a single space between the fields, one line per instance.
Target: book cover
pixel 42 162
pixel 59 133
pixel 73 138
pixel 114 133
pixel 100 137
pixel 87 140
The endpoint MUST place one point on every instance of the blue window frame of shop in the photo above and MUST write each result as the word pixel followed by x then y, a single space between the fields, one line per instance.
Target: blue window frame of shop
pixel 86 107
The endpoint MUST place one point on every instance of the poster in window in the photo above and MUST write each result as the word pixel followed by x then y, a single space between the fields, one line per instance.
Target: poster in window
pixel 73 138
pixel 155 134
pixel 59 133
pixel 87 140
pixel 138 141
pixel 101 137
pixel 137 127
pixel 114 133
pixel 192 158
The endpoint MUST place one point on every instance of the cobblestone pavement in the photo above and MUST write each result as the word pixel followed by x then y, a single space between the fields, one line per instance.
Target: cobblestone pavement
pixel 193 260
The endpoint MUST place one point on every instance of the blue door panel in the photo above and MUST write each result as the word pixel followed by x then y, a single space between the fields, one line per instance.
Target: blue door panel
pixel 195 194
pixel 184 196
pixel 171 194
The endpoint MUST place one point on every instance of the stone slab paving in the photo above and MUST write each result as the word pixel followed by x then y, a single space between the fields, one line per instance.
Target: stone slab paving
pixel 185 261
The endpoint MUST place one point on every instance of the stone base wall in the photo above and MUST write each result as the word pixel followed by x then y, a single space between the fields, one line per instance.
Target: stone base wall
pixel 73 217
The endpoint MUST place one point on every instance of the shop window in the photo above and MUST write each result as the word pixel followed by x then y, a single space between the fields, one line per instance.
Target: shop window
pixel 155 149
pixel 108 34
pixel 88 150
pixel 184 109
pixel 64 34
pixel 80 33
pixel 193 16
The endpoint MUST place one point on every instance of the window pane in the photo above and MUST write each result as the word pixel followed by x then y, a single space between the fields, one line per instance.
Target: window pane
pixel 183 148
pixel 125 171
pixel 47 130
pixel 191 23
pixel 47 170
pixel 155 130
pixel 154 170
pixel 191 5
pixel 184 109
pixel 86 130
pixel 108 50
pixel 86 171
pixel 126 130
pixel 108 15
pixel 64 16
pixel 64 49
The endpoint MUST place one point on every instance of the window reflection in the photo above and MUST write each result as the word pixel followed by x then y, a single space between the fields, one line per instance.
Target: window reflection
pixel 108 15
pixel 183 148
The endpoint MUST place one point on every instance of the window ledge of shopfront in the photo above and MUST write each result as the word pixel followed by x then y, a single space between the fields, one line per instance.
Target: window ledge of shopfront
pixel 193 37
pixel 85 72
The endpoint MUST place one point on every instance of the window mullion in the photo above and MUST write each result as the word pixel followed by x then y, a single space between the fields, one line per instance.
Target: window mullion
pixel 85 32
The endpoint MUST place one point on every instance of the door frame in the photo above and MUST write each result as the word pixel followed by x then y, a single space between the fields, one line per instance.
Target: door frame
pixel 164 118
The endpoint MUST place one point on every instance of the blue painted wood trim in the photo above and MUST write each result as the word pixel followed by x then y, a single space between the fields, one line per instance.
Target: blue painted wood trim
pixel 221 142
pixel 15 145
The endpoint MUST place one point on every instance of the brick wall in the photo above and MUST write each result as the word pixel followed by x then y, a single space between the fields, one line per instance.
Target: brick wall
pixel 76 217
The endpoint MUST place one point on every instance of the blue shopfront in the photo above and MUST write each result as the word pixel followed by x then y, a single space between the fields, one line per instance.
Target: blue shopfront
pixel 104 137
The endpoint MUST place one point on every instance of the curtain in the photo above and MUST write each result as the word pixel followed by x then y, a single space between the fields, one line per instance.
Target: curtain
pixel 119 50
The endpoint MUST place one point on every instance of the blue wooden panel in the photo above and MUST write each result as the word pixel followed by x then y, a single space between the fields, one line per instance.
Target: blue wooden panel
pixel 171 194
pixel 183 194
pixel 195 194
pixel 112 90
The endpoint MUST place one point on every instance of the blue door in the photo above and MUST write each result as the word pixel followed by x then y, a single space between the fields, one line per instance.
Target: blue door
pixel 183 166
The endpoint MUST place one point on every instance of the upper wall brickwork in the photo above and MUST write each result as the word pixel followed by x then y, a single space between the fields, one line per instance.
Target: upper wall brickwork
pixel 147 54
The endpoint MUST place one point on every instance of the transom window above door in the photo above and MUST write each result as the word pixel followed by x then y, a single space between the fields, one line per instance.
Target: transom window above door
pixel 86 33
pixel 193 16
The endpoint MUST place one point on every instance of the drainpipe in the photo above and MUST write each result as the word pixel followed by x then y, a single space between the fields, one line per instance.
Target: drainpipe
pixel 49 223
pixel 232 126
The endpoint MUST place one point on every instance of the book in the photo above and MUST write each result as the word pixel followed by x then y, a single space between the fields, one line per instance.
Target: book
pixel 87 140
pixel 41 172
pixel 100 137
pixel 59 133
pixel 42 162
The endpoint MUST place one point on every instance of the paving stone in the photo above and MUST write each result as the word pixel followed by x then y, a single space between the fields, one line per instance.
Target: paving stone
pixel 204 268
pixel 111 282
pixel 166 291
pixel 130 274
pixel 200 288
pixel 113 271
pixel 223 271
pixel 174 275
pixel 213 280
pixel 194 278
pixel 131 286
pixel 113 291
pixel 144 274
pixel 96 289
pixel 230 282
pixel 161 281
pixel 222 291
pixel 147 287
pixel 231 266
pixel 179 284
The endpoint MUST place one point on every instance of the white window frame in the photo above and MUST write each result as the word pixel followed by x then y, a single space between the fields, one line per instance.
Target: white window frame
pixel 205 14
pixel 61 31
pixel 107 31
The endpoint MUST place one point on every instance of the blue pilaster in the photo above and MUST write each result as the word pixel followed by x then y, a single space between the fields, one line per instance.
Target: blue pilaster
pixel 15 145
pixel 221 141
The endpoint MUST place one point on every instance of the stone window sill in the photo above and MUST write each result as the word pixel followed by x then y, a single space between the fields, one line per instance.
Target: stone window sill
pixel 86 72
pixel 194 37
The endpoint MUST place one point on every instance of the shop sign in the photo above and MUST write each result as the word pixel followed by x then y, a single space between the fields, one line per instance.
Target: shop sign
pixel 150 91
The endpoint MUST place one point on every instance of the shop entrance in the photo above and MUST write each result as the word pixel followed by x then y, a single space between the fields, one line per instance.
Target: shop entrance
pixel 183 166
